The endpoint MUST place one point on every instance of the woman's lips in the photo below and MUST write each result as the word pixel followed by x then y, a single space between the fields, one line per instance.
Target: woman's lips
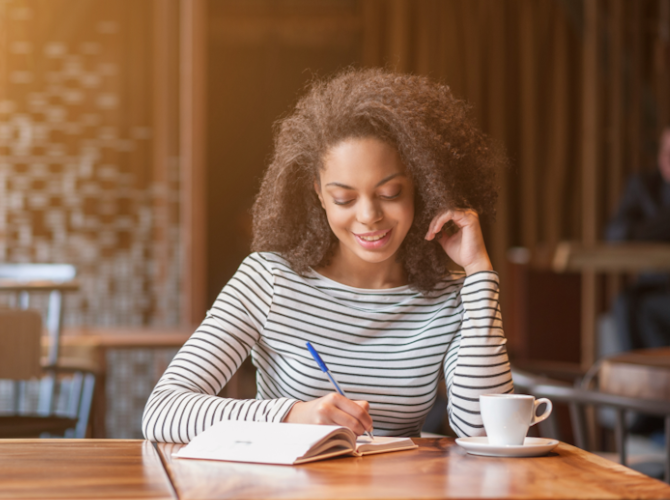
pixel 373 240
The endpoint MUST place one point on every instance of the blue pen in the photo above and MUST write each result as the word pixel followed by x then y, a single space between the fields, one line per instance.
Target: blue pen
pixel 325 370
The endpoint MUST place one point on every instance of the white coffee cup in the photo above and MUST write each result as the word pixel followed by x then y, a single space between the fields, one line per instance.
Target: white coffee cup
pixel 507 417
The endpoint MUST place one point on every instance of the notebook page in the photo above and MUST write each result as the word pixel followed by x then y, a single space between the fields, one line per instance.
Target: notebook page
pixel 382 444
pixel 258 442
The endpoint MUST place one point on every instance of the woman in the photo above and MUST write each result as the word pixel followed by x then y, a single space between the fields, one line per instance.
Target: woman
pixel 351 255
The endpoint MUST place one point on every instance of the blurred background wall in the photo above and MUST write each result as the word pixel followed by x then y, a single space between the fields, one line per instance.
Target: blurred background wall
pixel 89 172
pixel 80 181
pixel 134 133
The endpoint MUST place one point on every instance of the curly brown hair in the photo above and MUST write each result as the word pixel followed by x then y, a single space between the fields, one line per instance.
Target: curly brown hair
pixel 450 161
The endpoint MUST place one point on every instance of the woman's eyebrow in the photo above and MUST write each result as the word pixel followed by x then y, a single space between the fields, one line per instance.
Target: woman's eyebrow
pixel 383 181
pixel 392 176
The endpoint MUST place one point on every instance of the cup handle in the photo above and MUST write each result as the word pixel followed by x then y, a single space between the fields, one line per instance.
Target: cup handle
pixel 545 415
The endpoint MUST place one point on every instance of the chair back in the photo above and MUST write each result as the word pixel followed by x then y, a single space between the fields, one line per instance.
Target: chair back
pixel 22 279
pixel 53 402
pixel 37 272
pixel 579 397
pixel 59 403
pixel 20 344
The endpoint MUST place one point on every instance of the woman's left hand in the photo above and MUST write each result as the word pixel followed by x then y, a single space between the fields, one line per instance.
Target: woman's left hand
pixel 465 246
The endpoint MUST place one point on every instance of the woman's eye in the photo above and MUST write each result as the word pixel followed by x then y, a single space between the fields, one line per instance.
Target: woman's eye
pixel 390 196
pixel 342 202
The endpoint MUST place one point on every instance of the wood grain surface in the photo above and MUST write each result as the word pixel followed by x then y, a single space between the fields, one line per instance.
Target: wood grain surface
pixel 77 469
pixel 437 469
pixel 611 257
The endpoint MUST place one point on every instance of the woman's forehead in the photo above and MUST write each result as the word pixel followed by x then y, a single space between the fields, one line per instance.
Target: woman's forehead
pixel 361 159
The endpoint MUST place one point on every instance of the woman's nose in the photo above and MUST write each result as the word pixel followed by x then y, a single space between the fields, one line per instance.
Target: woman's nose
pixel 369 212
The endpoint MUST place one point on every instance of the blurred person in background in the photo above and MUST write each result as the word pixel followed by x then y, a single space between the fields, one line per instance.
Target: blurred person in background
pixel 642 310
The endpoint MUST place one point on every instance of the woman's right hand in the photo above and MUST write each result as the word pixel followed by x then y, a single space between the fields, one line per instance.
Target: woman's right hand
pixel 332 409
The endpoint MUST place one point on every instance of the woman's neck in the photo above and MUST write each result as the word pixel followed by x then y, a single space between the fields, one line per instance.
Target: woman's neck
pixel 350 270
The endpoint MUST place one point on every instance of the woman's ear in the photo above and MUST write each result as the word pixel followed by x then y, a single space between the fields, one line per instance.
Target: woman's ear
pixel 317 188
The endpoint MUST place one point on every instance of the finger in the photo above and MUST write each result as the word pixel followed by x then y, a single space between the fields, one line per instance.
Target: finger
pixel 363 404
pixel 357 411
pixel 437 223
pixel 342 418
pixel 460 219
pixel 464 217
pixel 441 220
pixel 328 413
pixel 366 407
pixel 450 229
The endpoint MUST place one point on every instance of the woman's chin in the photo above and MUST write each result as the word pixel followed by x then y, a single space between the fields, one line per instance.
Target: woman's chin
pixel 376 256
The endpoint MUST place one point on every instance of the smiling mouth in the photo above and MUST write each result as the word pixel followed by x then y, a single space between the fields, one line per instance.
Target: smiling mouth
pixel 376 237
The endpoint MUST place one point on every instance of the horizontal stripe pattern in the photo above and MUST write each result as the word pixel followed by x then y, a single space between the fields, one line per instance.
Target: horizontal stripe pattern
pixel 390 347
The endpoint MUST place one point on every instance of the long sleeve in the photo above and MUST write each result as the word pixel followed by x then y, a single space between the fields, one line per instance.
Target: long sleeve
pixel 185 402
pixel 476 362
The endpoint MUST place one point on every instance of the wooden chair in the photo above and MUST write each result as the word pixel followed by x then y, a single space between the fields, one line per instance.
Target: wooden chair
pixel 63 408
pixel 579 398
pixel 22 280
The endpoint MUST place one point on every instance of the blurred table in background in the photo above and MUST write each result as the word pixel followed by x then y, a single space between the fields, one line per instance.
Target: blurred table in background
pixel 88 347
pixel 620 257
pixel 612 257
pixel 644 373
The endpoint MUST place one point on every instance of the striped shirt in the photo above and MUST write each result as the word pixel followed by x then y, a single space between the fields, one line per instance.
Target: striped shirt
pixel 390 347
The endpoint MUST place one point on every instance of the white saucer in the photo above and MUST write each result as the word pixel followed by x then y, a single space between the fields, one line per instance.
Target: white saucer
pixel 531 447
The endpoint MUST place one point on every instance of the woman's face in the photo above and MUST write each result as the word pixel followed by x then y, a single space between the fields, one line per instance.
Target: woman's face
pixel 368 198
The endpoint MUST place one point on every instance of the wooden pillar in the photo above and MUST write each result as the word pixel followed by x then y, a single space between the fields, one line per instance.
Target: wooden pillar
pixel 494 26
pixel 473 56
pixel 590 159
pixel 426 50
pixel 451 40
pixel 165 133
pixel 529 124
pixel 615 121
pixel 615 137
pixel 4 50
pixel 372 16
pixel 193 17
pixel 661 65
pixel 555 200
pixel 398 35
pixel 634 120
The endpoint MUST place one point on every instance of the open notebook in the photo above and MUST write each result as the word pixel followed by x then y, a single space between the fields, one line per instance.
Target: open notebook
pixel 285 444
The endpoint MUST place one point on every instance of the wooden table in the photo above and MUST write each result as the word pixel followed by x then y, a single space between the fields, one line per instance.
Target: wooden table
pixel 111 469
pixel 644 373
pixel 438 469
pixel 73 469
